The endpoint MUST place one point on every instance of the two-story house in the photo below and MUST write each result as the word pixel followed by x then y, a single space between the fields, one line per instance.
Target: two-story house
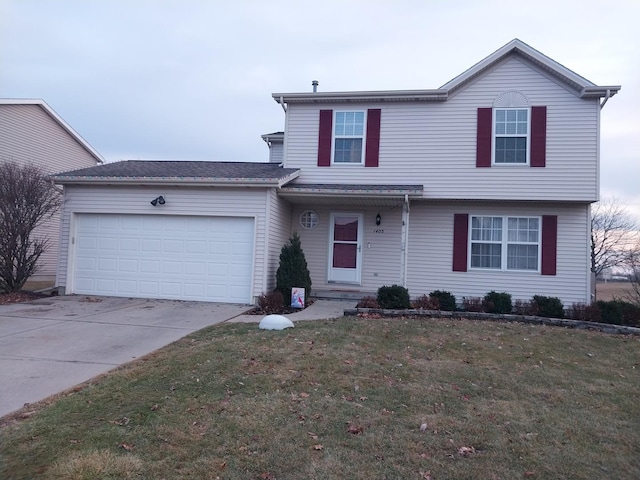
pixel 483 184
pixel 31 132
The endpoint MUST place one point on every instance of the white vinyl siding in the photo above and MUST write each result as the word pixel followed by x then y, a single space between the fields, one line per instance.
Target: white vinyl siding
pixel 434 143
pixel 29 135
pixel 189 201
pixel 431 251
pixel 278 234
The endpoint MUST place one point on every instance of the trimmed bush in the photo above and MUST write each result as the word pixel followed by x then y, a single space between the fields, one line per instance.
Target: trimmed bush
pixel 446 300
pixel 293 270
pixel 368 302
pixel 498 302
pixel 550 307
pixel 618 312
pixel 425 302
pixel 271 302
pixel 472 304
pixel 394 297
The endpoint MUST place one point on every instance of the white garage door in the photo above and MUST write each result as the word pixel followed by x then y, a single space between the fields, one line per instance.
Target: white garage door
pixel 158 256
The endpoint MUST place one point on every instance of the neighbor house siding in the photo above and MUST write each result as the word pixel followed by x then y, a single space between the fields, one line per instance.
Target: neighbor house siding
pixel 279 231
pixel 431 253
pixel 29 135
pixel 434 144
pixel 381 245
pixel 232 202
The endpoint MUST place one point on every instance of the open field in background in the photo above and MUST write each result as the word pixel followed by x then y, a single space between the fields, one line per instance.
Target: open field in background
pixel 610 290
pixel 351 398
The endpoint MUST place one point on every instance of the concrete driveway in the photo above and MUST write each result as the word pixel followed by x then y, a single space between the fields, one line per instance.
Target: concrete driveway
pixel 52 344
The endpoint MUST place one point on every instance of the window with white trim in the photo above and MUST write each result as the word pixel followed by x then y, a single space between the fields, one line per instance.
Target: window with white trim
pixel 511 136
pixel 348 137
pixel 505 243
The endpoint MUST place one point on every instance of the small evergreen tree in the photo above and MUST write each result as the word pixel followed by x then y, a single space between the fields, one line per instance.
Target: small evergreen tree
pixel 293 270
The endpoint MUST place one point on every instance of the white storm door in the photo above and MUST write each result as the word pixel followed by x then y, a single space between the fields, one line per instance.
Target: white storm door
pixel 345 247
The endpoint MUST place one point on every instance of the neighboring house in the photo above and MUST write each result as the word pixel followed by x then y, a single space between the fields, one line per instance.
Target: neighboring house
pixel 483 184
pixel 32 133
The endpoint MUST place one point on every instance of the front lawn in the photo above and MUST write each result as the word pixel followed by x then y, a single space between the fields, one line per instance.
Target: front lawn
pixel 351 398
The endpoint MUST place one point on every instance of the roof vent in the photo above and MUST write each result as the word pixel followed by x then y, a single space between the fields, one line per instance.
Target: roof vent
pixel 315 84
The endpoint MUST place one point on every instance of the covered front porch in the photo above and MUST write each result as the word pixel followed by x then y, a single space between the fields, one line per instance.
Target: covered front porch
pixel 354 236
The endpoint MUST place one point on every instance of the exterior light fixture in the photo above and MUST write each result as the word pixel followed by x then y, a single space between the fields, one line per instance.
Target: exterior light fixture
pixel 378 219
pixel 158 201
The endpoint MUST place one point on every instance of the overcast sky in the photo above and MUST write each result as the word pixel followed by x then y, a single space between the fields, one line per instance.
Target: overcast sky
pixel 192 79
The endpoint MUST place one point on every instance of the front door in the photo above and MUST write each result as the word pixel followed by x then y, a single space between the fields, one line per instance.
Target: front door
pixel 345 249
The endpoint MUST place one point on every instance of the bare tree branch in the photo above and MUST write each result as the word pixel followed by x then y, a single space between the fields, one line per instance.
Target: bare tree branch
pixel 612 235
pixel 27 198
pixel 633 263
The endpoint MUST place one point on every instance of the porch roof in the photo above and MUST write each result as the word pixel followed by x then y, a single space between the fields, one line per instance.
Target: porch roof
pixel 350 194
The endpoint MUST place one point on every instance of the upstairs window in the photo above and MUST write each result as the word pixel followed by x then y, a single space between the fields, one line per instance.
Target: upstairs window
pixel 511 135
pixel 349 137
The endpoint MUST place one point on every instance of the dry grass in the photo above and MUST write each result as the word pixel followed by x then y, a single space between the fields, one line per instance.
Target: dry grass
pixel 347 399
pixel 613 290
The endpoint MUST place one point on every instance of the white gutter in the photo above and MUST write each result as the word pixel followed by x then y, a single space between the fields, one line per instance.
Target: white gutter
pixel 210 182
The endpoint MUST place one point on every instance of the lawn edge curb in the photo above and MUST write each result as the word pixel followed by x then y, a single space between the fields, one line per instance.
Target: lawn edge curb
pixel 556 322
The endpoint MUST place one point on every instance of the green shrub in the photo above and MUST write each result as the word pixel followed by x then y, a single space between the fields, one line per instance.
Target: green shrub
pixel 550 307
pixel 293 270
pixel 618 312
pixel 394 297
pixel 498 302
pixel 368 302
pixel 446 300
pixel 425 302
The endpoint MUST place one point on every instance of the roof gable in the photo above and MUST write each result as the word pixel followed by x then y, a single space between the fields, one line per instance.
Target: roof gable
pixel 580 85
pixel 56 118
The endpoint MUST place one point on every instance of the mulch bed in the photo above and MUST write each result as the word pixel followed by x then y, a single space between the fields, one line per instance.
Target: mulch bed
pixel 19 297
pixel 283 311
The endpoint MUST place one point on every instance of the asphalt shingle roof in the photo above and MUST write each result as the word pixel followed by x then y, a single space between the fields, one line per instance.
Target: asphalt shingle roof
pixel 162 169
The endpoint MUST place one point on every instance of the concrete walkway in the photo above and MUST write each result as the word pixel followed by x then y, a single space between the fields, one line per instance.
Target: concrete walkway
pixel 318 310
pixel 52 344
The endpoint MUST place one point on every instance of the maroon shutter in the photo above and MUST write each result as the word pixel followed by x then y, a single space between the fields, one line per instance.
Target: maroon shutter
pixel 324 138
pixel 549 244
pixel 373 138
pixel 483 146
pixel 538 136
pixel 460 241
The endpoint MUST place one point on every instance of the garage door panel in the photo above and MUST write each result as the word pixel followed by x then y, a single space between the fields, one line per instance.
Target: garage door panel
pixel 127 266
pixel 154 256
pixel 171 267
pixel 150 266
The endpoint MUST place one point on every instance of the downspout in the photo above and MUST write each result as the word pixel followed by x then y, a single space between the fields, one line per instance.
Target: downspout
pixel 404 240
pixel 284 107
